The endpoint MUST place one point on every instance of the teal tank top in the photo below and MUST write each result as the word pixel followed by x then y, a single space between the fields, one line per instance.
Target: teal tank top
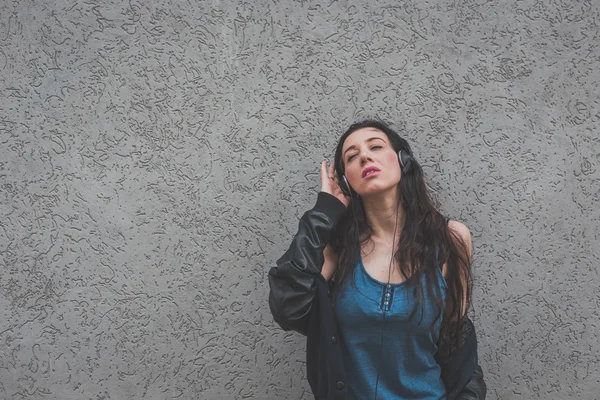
pixel 407 366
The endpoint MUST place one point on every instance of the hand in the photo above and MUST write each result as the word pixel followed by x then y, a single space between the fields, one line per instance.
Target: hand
pixel 329 183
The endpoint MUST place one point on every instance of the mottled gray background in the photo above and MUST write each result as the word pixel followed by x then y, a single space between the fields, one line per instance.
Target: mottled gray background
pixel 155 158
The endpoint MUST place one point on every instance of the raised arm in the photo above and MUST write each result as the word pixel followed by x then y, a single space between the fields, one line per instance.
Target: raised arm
pixel 293 280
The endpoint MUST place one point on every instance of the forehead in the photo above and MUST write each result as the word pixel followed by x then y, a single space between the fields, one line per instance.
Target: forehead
pixel 359 136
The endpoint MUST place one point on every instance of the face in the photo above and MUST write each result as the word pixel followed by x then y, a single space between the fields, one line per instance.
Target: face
pixel 365 148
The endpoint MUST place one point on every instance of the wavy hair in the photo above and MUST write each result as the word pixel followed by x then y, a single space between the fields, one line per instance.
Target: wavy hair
pixel 424 226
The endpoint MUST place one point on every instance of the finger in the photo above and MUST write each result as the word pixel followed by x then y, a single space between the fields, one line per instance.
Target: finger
pixel 332 171
pixel 323 171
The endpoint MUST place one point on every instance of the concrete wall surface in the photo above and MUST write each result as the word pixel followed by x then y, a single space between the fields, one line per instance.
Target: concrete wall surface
pixel 155 157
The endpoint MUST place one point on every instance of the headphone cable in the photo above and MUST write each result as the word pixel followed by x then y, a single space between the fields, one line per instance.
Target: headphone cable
pixel 384 306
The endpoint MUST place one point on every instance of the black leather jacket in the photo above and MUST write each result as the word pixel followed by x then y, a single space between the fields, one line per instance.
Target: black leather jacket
pixel 299 300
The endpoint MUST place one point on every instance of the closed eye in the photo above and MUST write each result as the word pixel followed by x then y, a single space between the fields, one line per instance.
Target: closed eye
pixel 372 148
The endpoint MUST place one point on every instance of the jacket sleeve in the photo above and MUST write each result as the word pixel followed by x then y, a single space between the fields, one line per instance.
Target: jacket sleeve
pixel 292 281
pixel 476 388
pixel 461 372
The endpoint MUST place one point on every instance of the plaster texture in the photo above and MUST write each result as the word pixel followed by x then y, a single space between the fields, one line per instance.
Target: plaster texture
pixel 155 157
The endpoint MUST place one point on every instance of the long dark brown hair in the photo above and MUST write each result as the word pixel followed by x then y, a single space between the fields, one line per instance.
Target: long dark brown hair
pixel 415 251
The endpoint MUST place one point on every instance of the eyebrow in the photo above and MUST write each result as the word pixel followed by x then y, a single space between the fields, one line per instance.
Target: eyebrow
pixel 368 140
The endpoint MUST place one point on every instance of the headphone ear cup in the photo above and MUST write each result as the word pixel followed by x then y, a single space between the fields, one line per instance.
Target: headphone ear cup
pixel 405 160
pixel 346 186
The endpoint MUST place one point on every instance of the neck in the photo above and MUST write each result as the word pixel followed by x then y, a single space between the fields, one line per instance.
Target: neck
pixel 381 209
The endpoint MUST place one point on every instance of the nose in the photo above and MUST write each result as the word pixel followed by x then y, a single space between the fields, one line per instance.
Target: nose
pixel 364 158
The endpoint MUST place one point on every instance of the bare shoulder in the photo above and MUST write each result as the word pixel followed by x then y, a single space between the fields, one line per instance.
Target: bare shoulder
pixel 459 228
pixel 462 231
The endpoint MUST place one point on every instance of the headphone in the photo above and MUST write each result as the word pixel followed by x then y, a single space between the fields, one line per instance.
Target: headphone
pixel 405 159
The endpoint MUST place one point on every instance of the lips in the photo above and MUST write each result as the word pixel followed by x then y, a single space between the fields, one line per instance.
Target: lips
pixel 368 170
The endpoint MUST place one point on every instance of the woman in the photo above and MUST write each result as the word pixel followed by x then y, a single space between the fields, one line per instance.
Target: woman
pixel 379 281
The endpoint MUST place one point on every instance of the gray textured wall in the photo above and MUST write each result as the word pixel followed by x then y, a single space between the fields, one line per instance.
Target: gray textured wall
pixel 155 158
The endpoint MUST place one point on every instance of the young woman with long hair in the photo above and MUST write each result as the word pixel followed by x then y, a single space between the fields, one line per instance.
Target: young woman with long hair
pixel 379 280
